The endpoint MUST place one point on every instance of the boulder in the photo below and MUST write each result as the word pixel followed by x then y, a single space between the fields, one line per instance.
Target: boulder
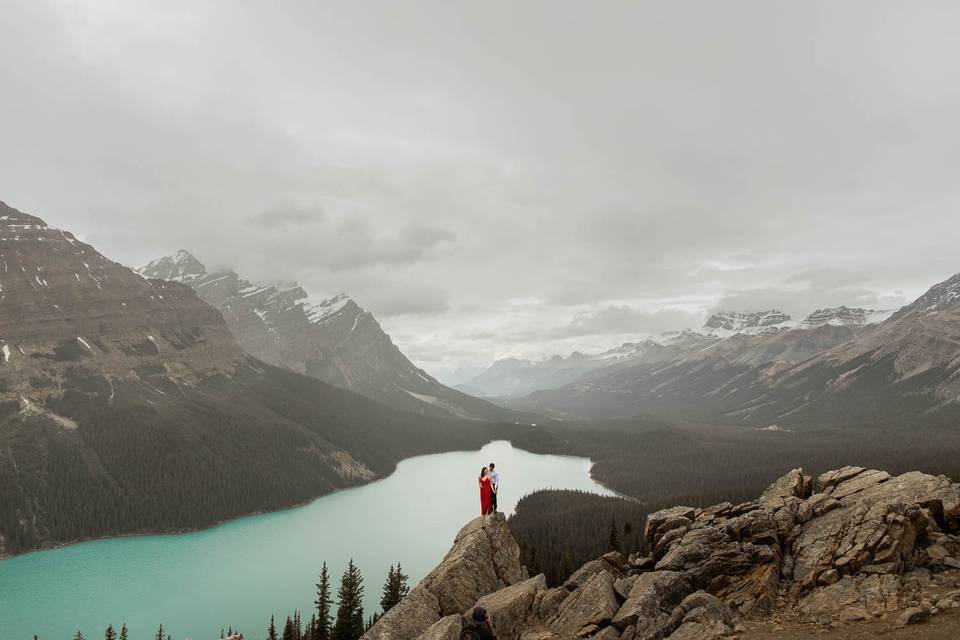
pixel 414 614
pixel 510 609
pixel 448 628
pixel 607 633
pixel 540 633
pixel 615 559
pixel 874 594
pixel 547 602
pixel 587 571
pixel 912 615
pixel 592 605
pixel 660 522
pixel 703 617
pixel 791 485
pixel 651 601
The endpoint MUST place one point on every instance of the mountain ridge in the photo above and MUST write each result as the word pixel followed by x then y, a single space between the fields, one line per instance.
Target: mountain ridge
pixel 336 340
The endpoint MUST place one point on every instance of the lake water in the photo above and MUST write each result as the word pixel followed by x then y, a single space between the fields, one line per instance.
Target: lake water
pixel 241 572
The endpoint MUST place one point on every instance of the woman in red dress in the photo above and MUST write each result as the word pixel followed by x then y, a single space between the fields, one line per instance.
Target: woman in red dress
pixel 486 493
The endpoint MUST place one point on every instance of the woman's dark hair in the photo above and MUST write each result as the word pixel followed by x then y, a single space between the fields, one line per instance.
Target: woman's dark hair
pixel 479 614
pixel 483 470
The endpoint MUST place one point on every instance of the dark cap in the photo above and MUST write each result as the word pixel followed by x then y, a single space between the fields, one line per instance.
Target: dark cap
pixel 479 614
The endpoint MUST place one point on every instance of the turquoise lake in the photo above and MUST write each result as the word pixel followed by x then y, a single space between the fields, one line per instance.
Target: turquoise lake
pixel 241 572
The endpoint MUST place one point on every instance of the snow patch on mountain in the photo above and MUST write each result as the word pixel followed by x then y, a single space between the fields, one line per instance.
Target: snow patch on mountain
pixel 752 323
pixel 844 316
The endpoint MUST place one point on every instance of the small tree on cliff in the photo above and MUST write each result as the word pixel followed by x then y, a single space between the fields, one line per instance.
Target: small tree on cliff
pixel 349 622
pixel 321 630
pixel 123 631
pixel 109 634
pixel 614 537
pixel 272 630
pixel 395 588
pixel 160 635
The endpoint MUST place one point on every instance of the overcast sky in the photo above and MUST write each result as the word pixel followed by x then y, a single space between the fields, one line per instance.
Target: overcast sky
pixel 501 178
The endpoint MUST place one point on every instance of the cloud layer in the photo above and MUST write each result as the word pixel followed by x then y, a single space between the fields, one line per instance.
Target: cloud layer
pixel 501 178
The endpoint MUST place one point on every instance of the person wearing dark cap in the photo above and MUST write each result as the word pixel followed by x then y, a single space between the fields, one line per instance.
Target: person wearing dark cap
pixel 478 628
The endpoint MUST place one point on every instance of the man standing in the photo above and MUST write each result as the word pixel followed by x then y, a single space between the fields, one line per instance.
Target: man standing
pixel 494 484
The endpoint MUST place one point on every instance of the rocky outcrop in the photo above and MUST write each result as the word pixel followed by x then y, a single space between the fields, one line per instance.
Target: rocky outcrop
pixel 484 559
pixel 855 544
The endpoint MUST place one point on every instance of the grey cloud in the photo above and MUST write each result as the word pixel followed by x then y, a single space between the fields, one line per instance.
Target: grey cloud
pixel 289 215
pixel 439 161
pixel 798 303
pixel 623 319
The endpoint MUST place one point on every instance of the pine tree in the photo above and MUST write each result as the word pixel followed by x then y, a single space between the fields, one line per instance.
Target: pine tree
pixel 297 626
pixel 349 621
pixel 271 630
pixel 109 634
pixel 395 588
pixel 78 636
pixel 321 630
pixel 614 537
pixel 123 631
pixel 288 633
pixel 311 630
pixel 160 633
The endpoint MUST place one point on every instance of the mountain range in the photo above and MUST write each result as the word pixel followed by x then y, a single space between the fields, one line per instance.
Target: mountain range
pixel 127 405
pixel 837 367
pixel 335 340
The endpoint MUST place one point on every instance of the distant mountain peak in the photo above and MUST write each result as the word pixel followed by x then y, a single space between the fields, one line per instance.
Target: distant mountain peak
pixel 941 296
pixel 12 218
pixel 728 323
pixel 322 311
pixel 844 316
pixel 182 266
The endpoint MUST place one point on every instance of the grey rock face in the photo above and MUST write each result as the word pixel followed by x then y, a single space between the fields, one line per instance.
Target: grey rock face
pixel 511 608
pixel 484 558
pixel 589 608
pixel 651 602
pixel 448 628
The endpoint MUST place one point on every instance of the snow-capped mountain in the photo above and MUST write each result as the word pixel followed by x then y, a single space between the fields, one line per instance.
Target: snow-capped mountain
pixel 944 296
pixel 839 366
pixel 845 317
pixel 334 340
pixel 750 323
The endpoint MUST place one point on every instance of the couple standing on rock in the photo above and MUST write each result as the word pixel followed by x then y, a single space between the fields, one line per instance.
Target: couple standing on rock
pixel 489 484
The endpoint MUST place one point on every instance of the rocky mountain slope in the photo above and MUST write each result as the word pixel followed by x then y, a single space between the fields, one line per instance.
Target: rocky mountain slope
pixel 851 548
pixel 336 340
pixel 126 405
pixel 837 367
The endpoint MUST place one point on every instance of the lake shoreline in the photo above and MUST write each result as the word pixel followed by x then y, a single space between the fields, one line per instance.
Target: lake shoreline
pixel 252 514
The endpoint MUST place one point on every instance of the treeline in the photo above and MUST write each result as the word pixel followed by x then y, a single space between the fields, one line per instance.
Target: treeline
pixel 558 531
pixel 348 623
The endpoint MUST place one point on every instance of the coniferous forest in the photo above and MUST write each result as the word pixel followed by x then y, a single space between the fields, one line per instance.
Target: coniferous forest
pixel 346 623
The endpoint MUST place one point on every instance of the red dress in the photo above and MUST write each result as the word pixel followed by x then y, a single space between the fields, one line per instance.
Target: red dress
pixel 486 496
